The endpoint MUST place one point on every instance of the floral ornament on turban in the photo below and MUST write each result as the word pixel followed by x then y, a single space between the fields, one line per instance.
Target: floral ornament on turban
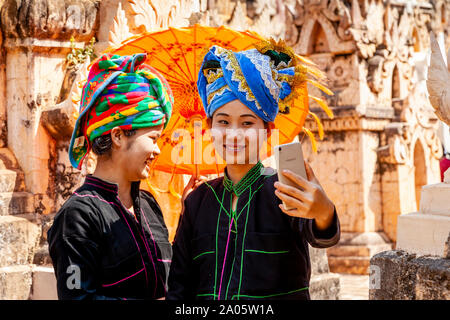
pixel 263 79
pixel 122 92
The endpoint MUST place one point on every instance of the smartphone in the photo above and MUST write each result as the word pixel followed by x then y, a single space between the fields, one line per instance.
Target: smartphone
pixel 289 156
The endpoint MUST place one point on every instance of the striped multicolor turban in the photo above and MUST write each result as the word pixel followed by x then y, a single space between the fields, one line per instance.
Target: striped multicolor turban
pixel 122 92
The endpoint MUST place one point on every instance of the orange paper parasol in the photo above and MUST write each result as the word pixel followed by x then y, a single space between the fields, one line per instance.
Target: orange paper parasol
pixel 177 53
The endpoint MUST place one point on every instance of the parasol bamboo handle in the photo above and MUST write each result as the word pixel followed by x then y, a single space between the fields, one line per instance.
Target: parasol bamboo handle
pixel 196 172
pixel 197 124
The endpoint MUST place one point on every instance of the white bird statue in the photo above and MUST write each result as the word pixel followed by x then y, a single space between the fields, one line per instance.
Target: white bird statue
pixel 438 82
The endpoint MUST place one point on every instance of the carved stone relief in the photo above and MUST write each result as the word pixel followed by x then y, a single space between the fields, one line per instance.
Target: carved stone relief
pixel 50 19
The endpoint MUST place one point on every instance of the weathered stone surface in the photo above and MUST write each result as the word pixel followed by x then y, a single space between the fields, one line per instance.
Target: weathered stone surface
pixel 64 176
pixel 3 129
pixel 49 19
pixel 325 286
pixel 18 240
pixel 7 159
pixel 13 203
pixel 319 261
pixel 7 180
pixel 405 276
pixel 11 180
pixel 447 248
pixel 15 282
pixel 59 122
pixel 13 199
pixel 433 234
pixel 44 284
pixel 342 183
pixel 434 199
pixel 26 98
pixel 41 255
pixel 433 279
pixel 60 119
pixel 397 282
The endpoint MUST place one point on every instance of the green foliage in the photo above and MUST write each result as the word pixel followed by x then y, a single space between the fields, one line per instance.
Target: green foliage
pixel 78 56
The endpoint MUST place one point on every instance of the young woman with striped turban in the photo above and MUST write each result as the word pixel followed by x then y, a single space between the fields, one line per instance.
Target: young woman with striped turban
pixel 109 239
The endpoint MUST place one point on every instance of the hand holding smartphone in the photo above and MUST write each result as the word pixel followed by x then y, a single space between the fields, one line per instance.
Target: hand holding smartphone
pixel 290 156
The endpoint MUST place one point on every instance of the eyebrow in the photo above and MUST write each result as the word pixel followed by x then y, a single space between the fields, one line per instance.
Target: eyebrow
pixel 222 114
pixel 248 115
pixel 243 115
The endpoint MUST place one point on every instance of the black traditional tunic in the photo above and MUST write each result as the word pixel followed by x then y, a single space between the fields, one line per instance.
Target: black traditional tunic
pixel 114 254
pixel 256 252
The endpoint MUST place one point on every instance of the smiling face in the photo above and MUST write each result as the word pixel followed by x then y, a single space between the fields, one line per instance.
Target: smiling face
pixel 138 151
pixel 237 134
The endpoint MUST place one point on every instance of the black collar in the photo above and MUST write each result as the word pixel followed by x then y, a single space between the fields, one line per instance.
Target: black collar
pixel 248 180
pixel 110 191
pixel 103 186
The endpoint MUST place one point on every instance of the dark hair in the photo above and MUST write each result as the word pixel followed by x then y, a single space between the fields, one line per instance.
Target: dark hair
pixel 102 145
pixel 211 64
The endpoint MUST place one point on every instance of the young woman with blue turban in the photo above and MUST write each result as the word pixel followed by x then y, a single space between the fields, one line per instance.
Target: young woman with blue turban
pixel 235 240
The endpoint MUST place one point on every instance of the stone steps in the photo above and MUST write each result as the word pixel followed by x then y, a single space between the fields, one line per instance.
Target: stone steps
pixel 19 236
pixel 15 282
pixel 357 250
pixel 349 265
pixel 44 284
pixel 352 254
pixel 18 240
pixel 11 180
pixel 15 203
pixel 27 282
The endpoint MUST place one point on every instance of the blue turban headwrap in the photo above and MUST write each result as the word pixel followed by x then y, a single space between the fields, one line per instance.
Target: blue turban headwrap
pixel 260 81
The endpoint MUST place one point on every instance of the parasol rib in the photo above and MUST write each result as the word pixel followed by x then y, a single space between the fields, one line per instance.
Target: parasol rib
pixel 167 51
pixel 183 54
pixel 162 62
